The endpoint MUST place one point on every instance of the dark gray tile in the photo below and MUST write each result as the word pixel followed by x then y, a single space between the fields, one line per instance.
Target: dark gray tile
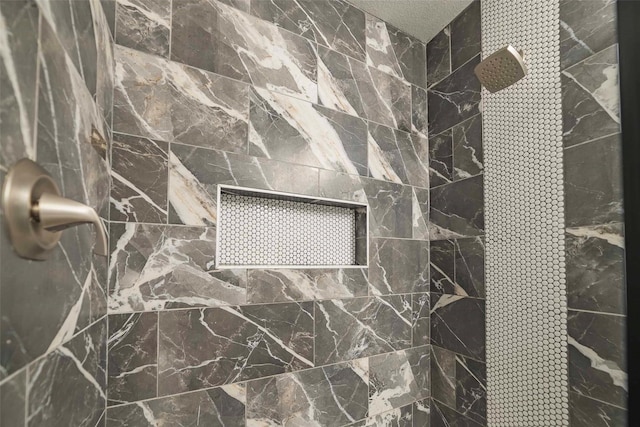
pixel 595 268
pixel 109 9
pixel 419 111
pixel 360 327
pixel 156 267
pixel 167 101
pixel 443 416
pixel 593 182
pixel 420 198
pixel 586 27
pixel 469 266
pixel 335 24
pixel 13 393
pixel 590 98
pixel 442 265
pixel 466 36
pixel 441 159
pixel 284 128
pixel 144 25
pixel 421 334
pixel 585 412
pixel 132 357
pixel 457 209
pixel 438 57
pixel 351 86
pixel 215 37
pixel 443 376
pixel 282 285
pixel 74 372
pixel 401 417
pixel 390 207
pixel 398 266
pixel 458 324
pixel 597 365
pixel 468 159
pixel 471 389
pixel 454 99
pixel 332 395
pixel 422 413
pixel 217 407
pixel 139 173
pixel 202 348
pixel 105 74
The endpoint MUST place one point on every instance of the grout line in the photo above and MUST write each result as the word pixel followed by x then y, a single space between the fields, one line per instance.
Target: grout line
pixel 604 313
pixel 591 140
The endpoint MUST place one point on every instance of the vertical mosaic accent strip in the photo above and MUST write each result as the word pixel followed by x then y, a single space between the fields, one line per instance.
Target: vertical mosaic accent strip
pixel 524 205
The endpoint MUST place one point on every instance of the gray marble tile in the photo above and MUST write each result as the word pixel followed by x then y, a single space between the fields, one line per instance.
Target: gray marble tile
pixel 457 209
pixel 398 266
pixel 443 376
pixel 167 101
pixel 287 129
pixel 202 348
pixel 471 389
pixel 105 74
pixel 332 395
pixel 585 412
pixel 420 199
pixel 283 285
pixel 156 267
pixel 469 266
pixel 441 159
pixel 468 159
pixel 194 175
pixel 591 98
pixel 419 111
pixel 454 99
pixel 595 268
pixel 586 27
pixel 401 417
pixel 466 36
pixel 443 416
pixel 332 23
pixel 72 373
pixel 13 393
pixel 458 324
pixel 360 327
pixel 140 174
pixel 597 365
pixel 216 37
pixel 442 263
pixel 144 25
pixel 217 407
pixel 422 413
pixel 132 347
pixel 439 57
pixel 593 182
pixel 109 9
pixel 421 334
pixel 243 5
pixel 351 86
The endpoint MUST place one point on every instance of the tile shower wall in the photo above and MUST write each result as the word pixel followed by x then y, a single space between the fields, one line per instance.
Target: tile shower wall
pixel 55 86
pixel 456 224
pixel 310 97
pixel 594 240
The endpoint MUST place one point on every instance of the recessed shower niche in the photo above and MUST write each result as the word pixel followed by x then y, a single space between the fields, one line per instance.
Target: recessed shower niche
pixel 264 229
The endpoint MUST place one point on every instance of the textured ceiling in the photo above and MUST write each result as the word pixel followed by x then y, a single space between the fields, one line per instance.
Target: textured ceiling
pixel 420 18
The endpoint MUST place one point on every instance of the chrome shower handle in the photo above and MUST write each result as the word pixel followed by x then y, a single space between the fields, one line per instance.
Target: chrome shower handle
pixel 57 213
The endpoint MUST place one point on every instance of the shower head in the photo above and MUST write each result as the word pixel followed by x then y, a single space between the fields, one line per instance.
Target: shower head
pixel 502 69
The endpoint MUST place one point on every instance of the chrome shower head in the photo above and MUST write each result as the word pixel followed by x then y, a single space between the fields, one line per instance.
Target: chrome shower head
pixel 502 69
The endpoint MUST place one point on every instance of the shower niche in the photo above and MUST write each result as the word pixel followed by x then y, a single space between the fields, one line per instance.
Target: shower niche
pixel 266 229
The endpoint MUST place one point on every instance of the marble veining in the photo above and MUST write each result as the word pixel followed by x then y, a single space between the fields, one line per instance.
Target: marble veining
pixel 467 148
pixel 419 111
pixel 398 266
pixel 439 57
pixel 441 159
pixel 420 202
pixel 457 209
pixel 144 25
pixel 421 319
pixel 13 393
pixel 465 36
pixel 586 412
pixel 457 324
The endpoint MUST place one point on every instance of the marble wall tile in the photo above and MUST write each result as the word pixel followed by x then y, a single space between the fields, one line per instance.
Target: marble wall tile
pixel 401 417
pixel 217 407
pixel 422 413
pixel 167 101
pixel 457 209
pixel 140 173
pixel 398 266
pixel 591 98
pixel 105 62
pixel 332 23
pixel 203 348
pixel 351 86
pixel 443 376
pixel 109 9
pixel 458 324
pixel 442 265
pixel 595 268
pixel 13 393
pixel 420 199
pixel 443 416
pixel 421 333
pixel 156 267
pixel 144 25
pixel 454 99
pixel 194 175
pixel 390 209
pixel 419 111
pixel 585 412
pixel 219 38
pixel 360 327
pixel 469 266
pixel 294 131
pixel 439 57
pixel 331 395
pixel 72 373
pixel 132 347
pixel 466 36
pixel 471 389
pixel 283 285
pixel 585 28
pixel 243 5
pixel 597 365
pixel 593 182
pixel 342 186
pixel 467 148
pixel 441 159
